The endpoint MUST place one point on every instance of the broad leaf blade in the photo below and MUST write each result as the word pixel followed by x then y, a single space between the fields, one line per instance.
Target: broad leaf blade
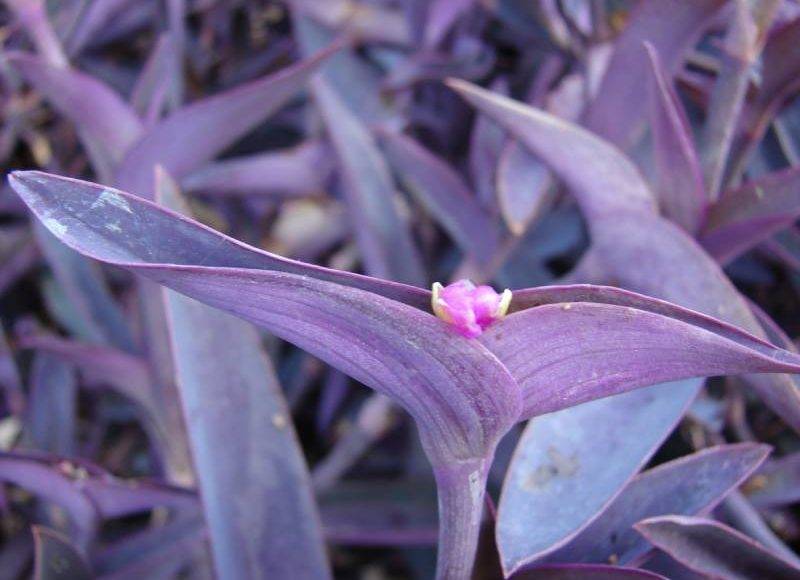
pixel 587 453
pixel 184 240
pixel 567 354
pixel 392 347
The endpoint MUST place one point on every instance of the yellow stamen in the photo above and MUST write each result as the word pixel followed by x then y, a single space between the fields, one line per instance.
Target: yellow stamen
pixel 505 302
pixel 437 304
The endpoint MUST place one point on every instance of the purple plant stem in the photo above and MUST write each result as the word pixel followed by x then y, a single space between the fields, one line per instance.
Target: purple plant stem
pixel 460 487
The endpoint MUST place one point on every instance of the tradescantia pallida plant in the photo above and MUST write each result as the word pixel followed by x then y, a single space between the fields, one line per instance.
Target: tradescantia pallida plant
pixel 466 377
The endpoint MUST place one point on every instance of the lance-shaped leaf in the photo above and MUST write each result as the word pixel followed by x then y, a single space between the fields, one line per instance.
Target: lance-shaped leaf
pixel 528 344
pixel 750 214
pixel 185 261
pixel 216 249
pixel 679 180
pixel 570 149
pixel 443 193
pixel 225 364
pixel 672 27
pixel 55 558
pixel 382 232
pixel 686 486
pixel 210 125
pixel 586 572
pixel 302 170
pixel 715 550
pixel 107 125
pixel 638 248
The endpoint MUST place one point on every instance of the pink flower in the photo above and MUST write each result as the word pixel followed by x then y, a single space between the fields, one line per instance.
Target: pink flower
pixel 469 308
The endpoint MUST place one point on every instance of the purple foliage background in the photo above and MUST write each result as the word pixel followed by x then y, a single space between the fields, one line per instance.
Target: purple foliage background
pixel 630 170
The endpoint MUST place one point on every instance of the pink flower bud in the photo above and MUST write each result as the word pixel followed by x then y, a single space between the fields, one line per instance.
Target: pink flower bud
pixel 468 308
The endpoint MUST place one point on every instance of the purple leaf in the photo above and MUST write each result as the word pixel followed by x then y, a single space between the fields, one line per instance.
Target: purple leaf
pixel 210 125
pixel 612 349
pixel 382 232
pixel 267 476
pixel 750 214
pixel 672 27
pixel 203 243
pixel 686 486
pixel 107 125
pixel 130 377
pixel 679 180
pixel 713 549
pixel 413 339
pixel 586 572
pixel 55 558
pixel 300 171
pixel 96 16
pixel 443 193
pixel 618 186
